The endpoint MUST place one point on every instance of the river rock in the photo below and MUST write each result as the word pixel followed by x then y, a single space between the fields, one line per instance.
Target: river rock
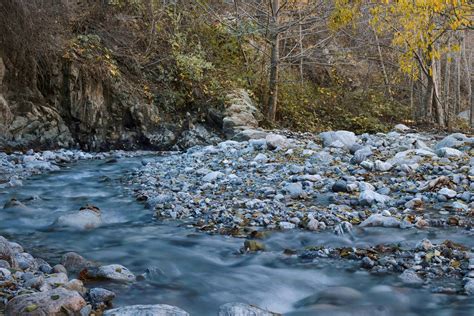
pixel 87 218
pixel 146 310
pixel 51 303
pixel 369 197
pixel 469 287
pixel 338 295
pixel 447 152
pixel 74 262
pixel 379 220
pixel 275 141
pixel 241 309
pixel 447 193
pixel 213 176
pixel 113 272
pixel 100 296
pixel 347 139
pixel 410 277
pixel 6 253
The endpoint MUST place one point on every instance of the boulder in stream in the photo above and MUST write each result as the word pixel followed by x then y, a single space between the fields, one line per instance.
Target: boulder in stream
pixel 147 310
pixel 51 303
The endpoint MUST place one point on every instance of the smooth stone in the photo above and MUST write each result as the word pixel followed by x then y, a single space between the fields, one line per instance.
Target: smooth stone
pixel 113 272
pixel 51 303
pixel 369 197
pixel 100 295
pixel 448 193
pixel 378 220
pixel 338 295
pixel 146 310
pixel 213 176
pixel 82 220
pixel 241 309
pixel 410 277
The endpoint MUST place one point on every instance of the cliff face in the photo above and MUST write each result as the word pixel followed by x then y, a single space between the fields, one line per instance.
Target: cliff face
pixel 68 107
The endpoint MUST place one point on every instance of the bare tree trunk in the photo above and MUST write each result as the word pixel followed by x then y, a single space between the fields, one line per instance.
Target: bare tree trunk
pixel 382 64
pixel 458 104
pixel 437 105
pixel 300 29
pixel 274 63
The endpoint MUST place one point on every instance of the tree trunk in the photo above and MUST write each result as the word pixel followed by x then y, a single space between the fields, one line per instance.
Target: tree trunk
pixel 437 105
pixel 274 63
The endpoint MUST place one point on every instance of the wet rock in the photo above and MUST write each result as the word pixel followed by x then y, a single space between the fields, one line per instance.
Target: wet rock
pixel 410 277
pixel 56 279
pixel 241 309
pixel 469 287
pixel 367 263
pixel 253 245
pixel 380 220
pixel 113 272
pixel 87 218
pixel 6 253
pixel 74 262
pixel 76 285
pixel 53 303
pixel 59 268
pixel 333 295
pixel 146 310
pixel 25 261
pixel 101 297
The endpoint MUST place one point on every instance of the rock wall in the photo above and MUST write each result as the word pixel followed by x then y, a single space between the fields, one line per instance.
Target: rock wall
pixel 66 106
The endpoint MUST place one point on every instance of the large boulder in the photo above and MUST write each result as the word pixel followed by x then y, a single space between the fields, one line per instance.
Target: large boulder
pixel 87 218
pixel 7 253
pixel 147 310
pixel 338 139
pixel 240 113
pixel 51 303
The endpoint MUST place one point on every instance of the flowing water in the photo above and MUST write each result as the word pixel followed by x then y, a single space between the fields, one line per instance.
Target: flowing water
pixel 200 272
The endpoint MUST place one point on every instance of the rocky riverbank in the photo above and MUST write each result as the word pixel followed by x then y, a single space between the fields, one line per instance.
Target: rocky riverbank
pixel 333 181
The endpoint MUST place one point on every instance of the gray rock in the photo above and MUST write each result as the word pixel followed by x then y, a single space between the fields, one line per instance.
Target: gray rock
pixel 275 141
pixel 100 296
pixel 113 272
pixel 369 197
pixel 51 303
pixel 451 141
pixel 447 152
pixel 339 186
pixel 213 176
pixel 25 261
pixel 241 309
pixel 410 277
pixel 347 139
pixel 333 295
pixel 146 310
pixel 74 262
pixel 447 193
pixel 83 220
pixel 295 190
pixel 469 287
pixel 379 220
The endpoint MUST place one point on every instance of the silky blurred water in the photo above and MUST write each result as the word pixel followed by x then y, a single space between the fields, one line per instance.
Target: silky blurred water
pixel 200 272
